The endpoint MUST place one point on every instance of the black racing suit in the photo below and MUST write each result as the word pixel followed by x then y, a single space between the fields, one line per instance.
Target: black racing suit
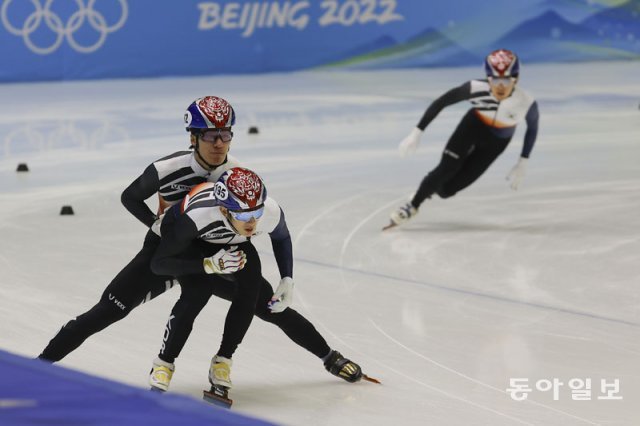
pixel 172 177
pixel 186 241
pixel 480 137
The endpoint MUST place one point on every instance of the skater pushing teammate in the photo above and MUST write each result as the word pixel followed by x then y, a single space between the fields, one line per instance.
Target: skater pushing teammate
pixel 498 104
pixel 208 121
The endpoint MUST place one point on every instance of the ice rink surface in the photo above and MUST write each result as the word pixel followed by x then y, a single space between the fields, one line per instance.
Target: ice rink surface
pixel 539 284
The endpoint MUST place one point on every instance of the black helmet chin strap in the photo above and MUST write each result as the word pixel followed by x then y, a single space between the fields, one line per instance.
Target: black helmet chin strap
pixel 233 228
pixel 209 166
pixel 231 224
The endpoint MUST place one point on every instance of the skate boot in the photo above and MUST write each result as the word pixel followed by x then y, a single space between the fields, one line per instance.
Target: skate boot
pixel 160 375
pixel 403 213
pixel 220 379
pixel 342 367
pixel 220 371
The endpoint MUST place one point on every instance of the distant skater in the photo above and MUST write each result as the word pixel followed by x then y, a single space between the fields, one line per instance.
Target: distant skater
pixel 497 106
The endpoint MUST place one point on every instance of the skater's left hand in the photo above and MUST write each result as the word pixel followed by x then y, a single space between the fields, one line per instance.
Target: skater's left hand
pixel 517 173
pixel 283 296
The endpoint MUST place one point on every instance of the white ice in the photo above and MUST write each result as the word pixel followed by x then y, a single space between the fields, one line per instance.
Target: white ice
pixel 540 283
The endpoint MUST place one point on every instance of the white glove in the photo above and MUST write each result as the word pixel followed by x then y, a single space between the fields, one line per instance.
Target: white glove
pixel 517 173
pixel 225 261
pixel 283 296
pixel 410 143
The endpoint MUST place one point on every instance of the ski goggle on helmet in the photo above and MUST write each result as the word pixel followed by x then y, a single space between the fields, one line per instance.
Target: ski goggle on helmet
pixel 242 193
pixel 502 64
pixel 210 112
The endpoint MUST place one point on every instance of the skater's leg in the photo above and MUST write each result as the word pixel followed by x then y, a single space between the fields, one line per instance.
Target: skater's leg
pixel 237 322
pixel 294 325
pixel 460 145
pixel 196 291
pixel 243 305
pixel 477 163
pixel 76 331
pixel 127 290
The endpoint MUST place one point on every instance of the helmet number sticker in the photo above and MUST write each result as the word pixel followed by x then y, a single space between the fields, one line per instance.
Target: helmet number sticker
pixel 220 191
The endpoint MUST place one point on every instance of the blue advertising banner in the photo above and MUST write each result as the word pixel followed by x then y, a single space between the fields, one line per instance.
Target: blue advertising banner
pixel 87 39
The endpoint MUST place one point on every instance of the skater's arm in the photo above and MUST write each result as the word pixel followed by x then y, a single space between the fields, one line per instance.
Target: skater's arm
pixel 283 251
pixel 282 247
pixel 177 237
pixel 532 119
pixel 139 190
pixel 453 96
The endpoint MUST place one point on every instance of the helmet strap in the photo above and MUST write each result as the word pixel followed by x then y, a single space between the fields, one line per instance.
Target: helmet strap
pixel 229 219
pixel 209 166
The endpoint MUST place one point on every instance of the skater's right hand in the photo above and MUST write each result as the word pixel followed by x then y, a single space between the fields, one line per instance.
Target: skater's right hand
pixel 409 145
pixel 225 261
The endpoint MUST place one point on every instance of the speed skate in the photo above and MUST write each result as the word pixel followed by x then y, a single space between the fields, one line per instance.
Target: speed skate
pixel 391 224
pixel 218 395
pixel 371 379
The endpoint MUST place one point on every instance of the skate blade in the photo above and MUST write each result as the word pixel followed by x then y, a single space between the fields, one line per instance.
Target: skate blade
pixel 389 226
pixel 156 390
pixel 215 399
pixel 371 379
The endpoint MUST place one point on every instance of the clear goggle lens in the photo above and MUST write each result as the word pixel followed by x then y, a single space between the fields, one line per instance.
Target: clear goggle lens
pixel 247 215
pixel 213 134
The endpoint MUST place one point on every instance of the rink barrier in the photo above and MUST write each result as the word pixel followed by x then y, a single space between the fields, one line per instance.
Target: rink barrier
pixel 34 392
pixel 87 39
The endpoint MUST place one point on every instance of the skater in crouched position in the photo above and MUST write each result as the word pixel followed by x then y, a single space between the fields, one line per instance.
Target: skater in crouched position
pixel 208 121
pixel 207 244
pixel 497 105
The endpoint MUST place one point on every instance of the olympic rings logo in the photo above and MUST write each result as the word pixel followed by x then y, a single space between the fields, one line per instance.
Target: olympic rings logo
pixel 63 29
